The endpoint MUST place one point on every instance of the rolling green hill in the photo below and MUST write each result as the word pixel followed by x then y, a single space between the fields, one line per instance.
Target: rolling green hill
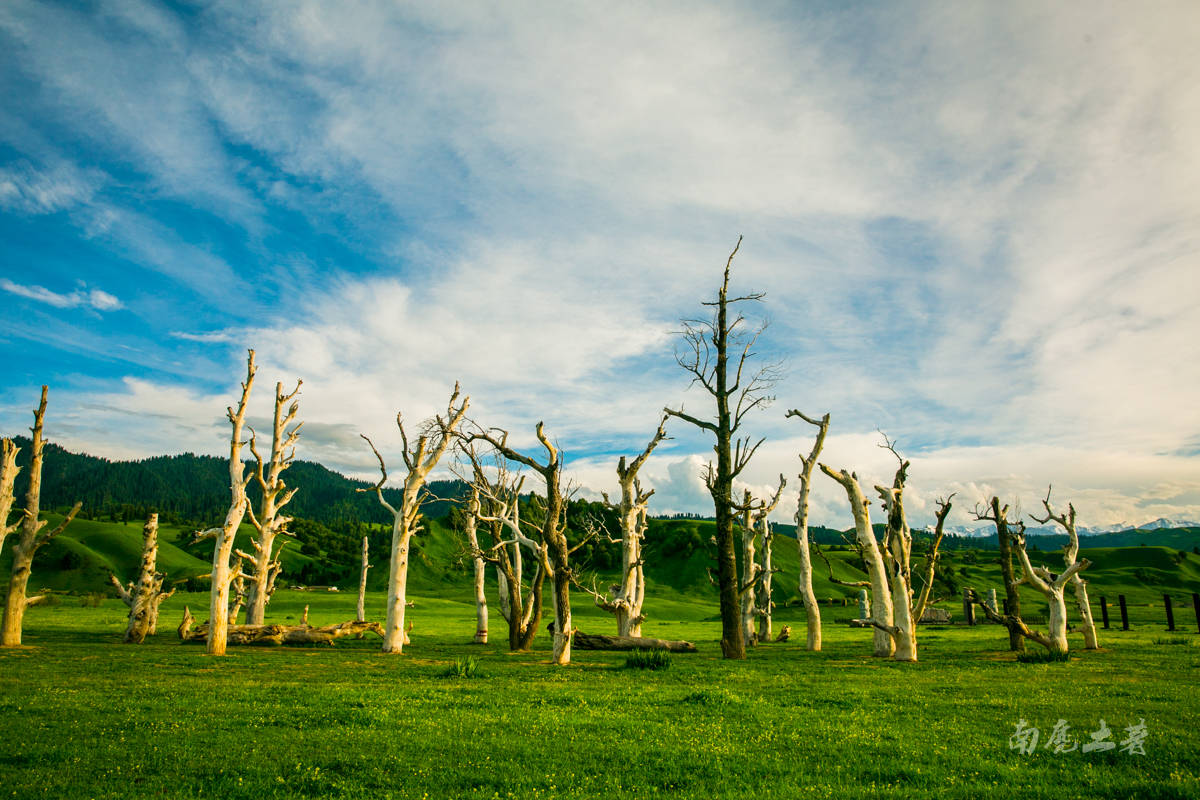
pixel 679 554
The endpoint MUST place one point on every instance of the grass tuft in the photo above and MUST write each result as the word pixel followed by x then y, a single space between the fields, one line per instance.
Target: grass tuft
pixel 1043 656
pixel 648 659
pixel 1183 640
pixel 462 668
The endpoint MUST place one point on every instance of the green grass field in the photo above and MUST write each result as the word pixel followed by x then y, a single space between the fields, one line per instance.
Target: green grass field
pixel 83 715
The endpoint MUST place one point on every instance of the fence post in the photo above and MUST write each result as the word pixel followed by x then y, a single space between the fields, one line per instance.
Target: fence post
pixel 1124 613
pixel 1196 606
pixel 968 607
pixel 1104 610
pixel 1170 612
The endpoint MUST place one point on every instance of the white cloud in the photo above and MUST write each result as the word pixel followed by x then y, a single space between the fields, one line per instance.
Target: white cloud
pixel 96 299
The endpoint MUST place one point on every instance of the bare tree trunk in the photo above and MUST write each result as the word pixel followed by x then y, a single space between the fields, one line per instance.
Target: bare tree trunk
pixel 897 560
pixel 8 478
pixel 763 603
pixel 481 606
pixel 1070 555
pixel 554 548
pixel 931 558
pixel 1052 588
pixel 222 575
pixel 630 594
pixel 144 595
pixel 708 360
pixel 812 611
pixel 999 515
pixel 881 602
pixel 746 594
pixel 419 460
pixel 362 581
pixel 269 523
pixel 31 537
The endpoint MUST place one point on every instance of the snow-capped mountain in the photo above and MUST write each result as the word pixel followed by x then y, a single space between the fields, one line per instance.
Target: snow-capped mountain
pixel 1054 530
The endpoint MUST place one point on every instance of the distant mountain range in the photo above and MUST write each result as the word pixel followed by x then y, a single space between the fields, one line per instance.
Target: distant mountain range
pixel 1161 523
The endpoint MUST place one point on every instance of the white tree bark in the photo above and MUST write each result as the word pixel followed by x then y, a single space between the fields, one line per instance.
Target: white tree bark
pixel 419 461
pixel 898 556
pixel 931 558
pixel 1070 556
pixel 144 595
pixel 1052 588
pixel 882 617
pixel 222 575
pixel 8 478
pixel 747 605
pixel 269 523
pixel 812 611
pixel 556 552
pixel 626 599
pixel 31 536
pixel 766 569
pixel 362 581
pixel 480 566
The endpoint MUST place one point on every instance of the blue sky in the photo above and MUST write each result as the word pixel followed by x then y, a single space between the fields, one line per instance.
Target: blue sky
pixel 976 225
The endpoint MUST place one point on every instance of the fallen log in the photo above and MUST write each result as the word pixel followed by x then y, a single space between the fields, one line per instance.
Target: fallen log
pixel 277 634
pixel 588 641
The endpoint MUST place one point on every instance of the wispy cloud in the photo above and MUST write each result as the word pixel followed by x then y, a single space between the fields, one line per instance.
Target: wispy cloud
pixel 96 299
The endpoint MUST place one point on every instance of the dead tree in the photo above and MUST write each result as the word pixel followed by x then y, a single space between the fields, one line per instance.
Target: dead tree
pixel 553 532
pixel 882 614
pixel 419 459
pixel 145 595
pixel 1050 585
pixel 897 559
pixel 1070 556
pixel 222 575
pixel 362 581
pixel 705 354
pixel 278 634
pixel 8 479
pixel 626 599
pixel 766 568
pixel 931 556
pixel 588 641
pixel 471 524
pixel 32 536
pixel 811 611
pixel 269 523
pixel 998 515
pixel 500 508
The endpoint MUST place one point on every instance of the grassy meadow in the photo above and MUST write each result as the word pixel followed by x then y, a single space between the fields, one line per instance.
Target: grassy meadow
pixel 83 715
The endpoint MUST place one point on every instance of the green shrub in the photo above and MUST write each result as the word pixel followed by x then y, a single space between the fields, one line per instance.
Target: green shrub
pixel 92 600
pixel 1183 640
pixel 1042 656
pixel 462 668
pixel 648 659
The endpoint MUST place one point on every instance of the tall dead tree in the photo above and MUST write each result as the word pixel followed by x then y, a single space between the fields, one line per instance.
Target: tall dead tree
pixel 1070 556
pixel 362 580
pixel 471 525
pixel 32 536
pixel 998 515
pixel 419 459
pixel 882 613
pixel 706 355
pixel 929 568
pixel 144 595
pixel 8 479
pixel 500 509
pixel 763 604
pixel 223 575
pixel 625 600
pixel 811 611
pixel 269 523
pixel 553 532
